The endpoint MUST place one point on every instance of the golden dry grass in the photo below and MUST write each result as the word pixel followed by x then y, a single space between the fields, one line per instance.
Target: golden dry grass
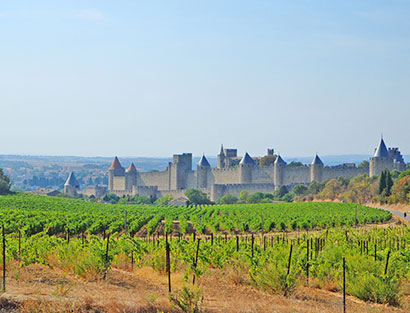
pixel 38 288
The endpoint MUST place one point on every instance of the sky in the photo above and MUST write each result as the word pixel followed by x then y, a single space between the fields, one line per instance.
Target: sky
pixel 155 78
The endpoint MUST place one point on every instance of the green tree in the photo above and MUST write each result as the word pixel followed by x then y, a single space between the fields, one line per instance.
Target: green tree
pixel 5 183
pixel 279 193
pixel 364 165
pixel 382 182
pixel 385 183
pixel 255 198
pixel 111 198
pixel 267 160
pixel 164 200
pixel 404 174
pixel 300 190
pixel 243 196
pixel 196 196
pixel 295 164
pixel 228 199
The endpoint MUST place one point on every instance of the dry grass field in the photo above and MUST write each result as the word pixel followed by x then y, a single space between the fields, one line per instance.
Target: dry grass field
pixel 37 288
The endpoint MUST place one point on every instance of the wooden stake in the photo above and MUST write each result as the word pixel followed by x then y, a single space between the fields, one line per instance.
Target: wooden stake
pixel 387 263
pixel 344 285
pixel 4 261
pixel 168 263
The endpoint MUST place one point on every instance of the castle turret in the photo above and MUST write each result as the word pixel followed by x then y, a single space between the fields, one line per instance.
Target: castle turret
pixel 316 169
pixel 245 167
pixel 130 177
pixel 221 158
pixel 71 186
pixel 381 160
pixel 279 167
pixel 179 170
pixel 115 170
pixel 203 169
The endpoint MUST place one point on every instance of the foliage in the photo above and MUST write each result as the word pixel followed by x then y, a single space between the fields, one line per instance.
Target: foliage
pixel 5 183
pixel 296 164
pixel 364 165
pixel 300 190
pixel 267 160
pixel 111 198
pixel 196 196
pixel 227 199
pixel 164 200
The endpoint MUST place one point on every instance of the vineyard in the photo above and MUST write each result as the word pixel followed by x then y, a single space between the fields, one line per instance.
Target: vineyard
pixel 275 248
pixel 33 214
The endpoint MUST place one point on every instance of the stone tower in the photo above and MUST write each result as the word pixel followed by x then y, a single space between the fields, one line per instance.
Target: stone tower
pixel 130 177
pixel 245 168
pixel 381 160
pixel 279 168
pixel 316 169
pixel 203 168
pixel 115 170
pixel 179 169
pixel 221 158
pixel 71 186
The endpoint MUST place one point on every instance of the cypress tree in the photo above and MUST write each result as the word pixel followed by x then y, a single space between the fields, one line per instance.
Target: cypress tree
pixel 382 182
pixel 389 183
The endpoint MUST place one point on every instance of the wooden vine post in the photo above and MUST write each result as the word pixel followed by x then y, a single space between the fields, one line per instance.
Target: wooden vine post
pixel 387 262
pixel 307 262
pixel 106 255
pixel 344 285
pixel 287 273
pixel 168 263
pixel 237 243
pixel 19 252
pixel 196 260
pixel 4 260
pixel 253 241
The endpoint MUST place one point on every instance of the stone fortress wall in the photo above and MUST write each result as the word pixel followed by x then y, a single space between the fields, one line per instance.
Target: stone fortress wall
pixel 234 174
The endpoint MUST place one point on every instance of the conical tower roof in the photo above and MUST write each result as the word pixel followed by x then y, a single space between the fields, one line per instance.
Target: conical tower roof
pixel 203 162
pixel 222 150
pixel 279 160
pixel 317 160
pixel 131 169
pixel 381 151
pixel 247 160
pixel 115 165
pixel 72 181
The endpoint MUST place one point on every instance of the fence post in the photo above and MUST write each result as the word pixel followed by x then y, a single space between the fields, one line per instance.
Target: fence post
pixel 344 285
pixel 132 260
pixel 237 243
pixel 106 255
pixel 196 259
pixel 387 262
pixel 375 251
pixel 287 273
pixel 307 262
pixel 19 247
pixel 168 263
pixel 253 240
pixel 4 261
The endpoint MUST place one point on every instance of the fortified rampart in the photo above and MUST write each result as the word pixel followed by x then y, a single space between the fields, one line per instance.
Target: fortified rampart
pixel 235 174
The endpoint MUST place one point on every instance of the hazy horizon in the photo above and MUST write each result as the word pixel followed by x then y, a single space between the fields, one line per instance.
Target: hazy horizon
pixel 152 79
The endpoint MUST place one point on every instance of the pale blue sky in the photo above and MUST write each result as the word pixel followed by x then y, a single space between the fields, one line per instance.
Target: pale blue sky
pixel 153 78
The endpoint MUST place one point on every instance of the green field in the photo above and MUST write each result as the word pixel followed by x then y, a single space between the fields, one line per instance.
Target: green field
pixel 377 259
pixel 33 214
